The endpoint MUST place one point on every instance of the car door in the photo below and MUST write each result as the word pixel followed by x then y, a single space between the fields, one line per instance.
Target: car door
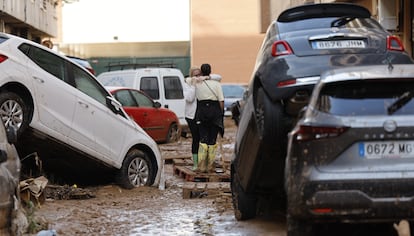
pixel 172 86
pixel 141 109
pixel 55 96
pixel 96 127
pixel 152 116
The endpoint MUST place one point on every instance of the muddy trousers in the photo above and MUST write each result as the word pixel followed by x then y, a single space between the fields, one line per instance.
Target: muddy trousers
pixel 206 157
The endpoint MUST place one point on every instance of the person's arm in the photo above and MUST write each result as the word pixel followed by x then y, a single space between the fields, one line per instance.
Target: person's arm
pixel 215 77
pixel 189 92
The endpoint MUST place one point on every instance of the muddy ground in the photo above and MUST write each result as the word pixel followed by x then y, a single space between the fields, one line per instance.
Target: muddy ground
pixel 110 210
pixel 153 210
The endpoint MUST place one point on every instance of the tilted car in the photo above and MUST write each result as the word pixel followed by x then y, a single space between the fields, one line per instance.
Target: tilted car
pixel 69 120
pixel 299 45
pixel 9 179
pixel 160 123
pixel 350 157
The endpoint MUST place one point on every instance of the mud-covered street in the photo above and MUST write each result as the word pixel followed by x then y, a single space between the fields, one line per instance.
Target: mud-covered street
pixel 163 211
pixel 155 211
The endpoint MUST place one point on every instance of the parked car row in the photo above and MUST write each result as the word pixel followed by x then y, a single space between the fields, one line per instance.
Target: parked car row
pixel 163 85
pixel 69 120
pixel 354 134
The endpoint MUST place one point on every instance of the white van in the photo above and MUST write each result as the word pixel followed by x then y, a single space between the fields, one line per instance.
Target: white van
pixel 164 85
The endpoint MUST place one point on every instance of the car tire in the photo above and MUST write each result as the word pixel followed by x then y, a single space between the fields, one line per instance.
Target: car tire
pixel 244 204
pixel 14 111
pixel 136 170
pixel 173 133
pixel 271 119
pixel 272 126
pixel 296 227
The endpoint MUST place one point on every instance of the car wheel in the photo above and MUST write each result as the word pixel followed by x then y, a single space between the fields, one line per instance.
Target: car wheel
pixel 244 204
pixel 271 118
pixel 14 111
pixel 297 227
pixel 136 170
pixel 272 125
pixel 173 133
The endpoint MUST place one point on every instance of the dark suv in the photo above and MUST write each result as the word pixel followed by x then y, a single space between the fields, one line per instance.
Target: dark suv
pixel 303 42
pixel 9 178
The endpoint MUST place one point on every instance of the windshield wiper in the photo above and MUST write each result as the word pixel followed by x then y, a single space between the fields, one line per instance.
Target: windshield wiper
pixel 401 101
pixel 342 21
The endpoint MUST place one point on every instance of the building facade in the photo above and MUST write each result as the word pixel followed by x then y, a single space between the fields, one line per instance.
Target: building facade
pixel 36 20
pixel 227 34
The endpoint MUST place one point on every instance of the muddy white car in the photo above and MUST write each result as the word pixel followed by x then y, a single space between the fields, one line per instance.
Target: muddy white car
pixel 69 120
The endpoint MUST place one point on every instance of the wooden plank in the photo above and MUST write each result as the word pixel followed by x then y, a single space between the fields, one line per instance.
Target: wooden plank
pixel 188 174
pixel 205 189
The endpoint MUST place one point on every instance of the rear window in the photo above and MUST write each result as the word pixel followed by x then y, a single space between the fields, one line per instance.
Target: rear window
pixel 317 23
pixel 360 98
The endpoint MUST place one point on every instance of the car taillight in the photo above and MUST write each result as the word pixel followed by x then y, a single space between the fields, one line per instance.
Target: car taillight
pixel 394 44
pixel 280 48
pixel 3 58
pixel 308 133
pixel 286 83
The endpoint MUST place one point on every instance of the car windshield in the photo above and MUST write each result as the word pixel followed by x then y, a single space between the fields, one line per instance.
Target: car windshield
pixel 327 22
pixel 367 98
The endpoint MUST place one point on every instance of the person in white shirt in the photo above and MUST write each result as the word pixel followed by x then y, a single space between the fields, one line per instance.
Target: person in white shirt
pixel 194 78
pixel 209 119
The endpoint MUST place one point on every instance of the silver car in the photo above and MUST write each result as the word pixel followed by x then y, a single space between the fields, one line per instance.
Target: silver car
pixel 350 156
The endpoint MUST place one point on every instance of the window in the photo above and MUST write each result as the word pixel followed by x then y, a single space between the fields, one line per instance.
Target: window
pixel 173 87
pixel 88 85
pixel 142 100
pixel 47 61
pixel 125 98
pixel 150 86
pixel 367 98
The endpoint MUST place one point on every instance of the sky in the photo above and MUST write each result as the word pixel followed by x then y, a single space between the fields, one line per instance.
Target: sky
pixel 99 21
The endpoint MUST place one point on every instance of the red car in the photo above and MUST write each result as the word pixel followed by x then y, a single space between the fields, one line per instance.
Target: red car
pixel 160 123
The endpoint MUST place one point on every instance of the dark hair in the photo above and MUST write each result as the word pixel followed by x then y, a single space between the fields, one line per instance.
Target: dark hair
pixel 205 69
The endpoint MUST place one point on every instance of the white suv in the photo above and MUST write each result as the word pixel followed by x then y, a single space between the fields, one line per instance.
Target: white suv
pixel 69 119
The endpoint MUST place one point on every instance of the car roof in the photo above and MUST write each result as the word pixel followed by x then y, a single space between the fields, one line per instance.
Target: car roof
pixel 368 72
pixel 323 10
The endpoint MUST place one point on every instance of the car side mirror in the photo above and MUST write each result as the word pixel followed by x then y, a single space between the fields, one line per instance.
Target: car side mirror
pixel 157 104
pixel 11 133
pixel 114 105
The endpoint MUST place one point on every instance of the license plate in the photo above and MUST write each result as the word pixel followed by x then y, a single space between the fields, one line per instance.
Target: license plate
pixel 389 149
pixel 338 44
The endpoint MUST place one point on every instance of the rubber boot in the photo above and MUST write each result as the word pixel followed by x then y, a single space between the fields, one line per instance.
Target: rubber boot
pixel 212 149
pixel 195 162
pixel 202 157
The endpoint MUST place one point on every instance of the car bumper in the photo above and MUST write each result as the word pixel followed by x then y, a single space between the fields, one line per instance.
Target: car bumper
pixel 349 200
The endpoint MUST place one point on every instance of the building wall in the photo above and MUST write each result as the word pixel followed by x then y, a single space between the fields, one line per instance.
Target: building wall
pixel 227 35
pixel 32 19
